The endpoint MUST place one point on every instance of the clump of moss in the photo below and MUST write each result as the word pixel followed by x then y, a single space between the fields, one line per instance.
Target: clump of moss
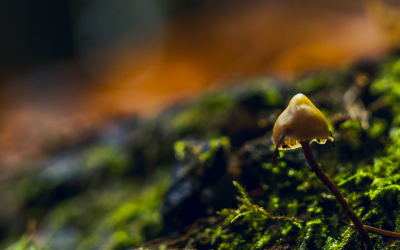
pixel 278 207
pixel 306 216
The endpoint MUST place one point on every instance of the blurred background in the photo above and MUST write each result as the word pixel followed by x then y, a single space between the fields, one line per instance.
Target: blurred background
pixel 69 68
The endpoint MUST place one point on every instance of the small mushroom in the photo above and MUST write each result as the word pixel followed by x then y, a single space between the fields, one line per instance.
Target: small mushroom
pixel 300 124
pixel 300 121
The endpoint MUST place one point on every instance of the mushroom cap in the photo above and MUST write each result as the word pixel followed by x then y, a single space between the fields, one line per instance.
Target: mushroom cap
pixel 300 121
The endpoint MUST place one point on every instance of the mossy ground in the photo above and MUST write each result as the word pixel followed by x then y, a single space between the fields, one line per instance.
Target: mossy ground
pixel 365 164
pixel 110 194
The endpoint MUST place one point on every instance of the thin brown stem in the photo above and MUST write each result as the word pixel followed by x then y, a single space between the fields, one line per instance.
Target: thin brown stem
pixel 324 178
pixel 378 231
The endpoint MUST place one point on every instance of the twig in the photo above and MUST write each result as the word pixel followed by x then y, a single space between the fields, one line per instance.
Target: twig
pixel 378 231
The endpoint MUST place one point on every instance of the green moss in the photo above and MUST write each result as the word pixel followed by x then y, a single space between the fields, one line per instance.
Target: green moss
pixel 117 220
pixel 377 128
pixel 313 83
pixel 351 124
pixel 179 148
pixel 206 112
pixel 122 211
pixel 271 96
pixel 130 217
pixel 24 243
pixel 307 215
pixel 105 157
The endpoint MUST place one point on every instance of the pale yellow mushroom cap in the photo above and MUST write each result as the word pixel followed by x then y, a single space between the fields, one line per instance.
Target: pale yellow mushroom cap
pixel 300 121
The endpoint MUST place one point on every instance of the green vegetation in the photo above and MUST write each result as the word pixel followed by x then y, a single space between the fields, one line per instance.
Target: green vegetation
pixel 307 217
pixel 119 204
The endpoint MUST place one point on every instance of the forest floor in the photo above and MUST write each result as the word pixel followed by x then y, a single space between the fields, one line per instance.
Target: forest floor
pixel 200 175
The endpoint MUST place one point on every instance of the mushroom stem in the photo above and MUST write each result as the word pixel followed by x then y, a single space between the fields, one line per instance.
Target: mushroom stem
pixel 324 178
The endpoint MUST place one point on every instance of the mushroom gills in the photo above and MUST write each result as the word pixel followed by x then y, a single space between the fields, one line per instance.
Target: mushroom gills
pixel 294 143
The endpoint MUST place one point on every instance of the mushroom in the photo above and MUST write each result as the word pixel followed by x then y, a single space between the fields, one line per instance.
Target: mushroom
pixel 300 121
pixel 300 124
